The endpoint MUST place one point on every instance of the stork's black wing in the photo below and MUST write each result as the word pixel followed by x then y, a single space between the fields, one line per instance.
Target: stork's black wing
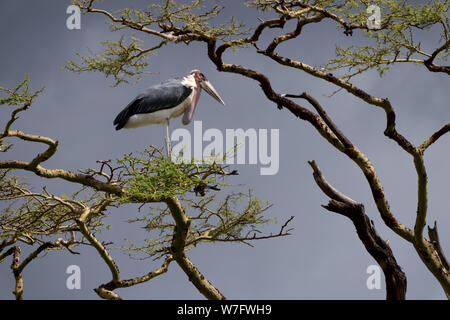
pixel 162 96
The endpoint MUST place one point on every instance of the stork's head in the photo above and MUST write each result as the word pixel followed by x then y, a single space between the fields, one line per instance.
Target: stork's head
pixel 203 83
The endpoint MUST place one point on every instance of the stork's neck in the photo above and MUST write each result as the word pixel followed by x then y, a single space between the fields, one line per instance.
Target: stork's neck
pixel 189 81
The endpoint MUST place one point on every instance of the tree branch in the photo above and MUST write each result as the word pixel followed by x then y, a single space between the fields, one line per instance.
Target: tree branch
pixel 436 68
pixel 434 137
pixel 323 114
pixel 18 267
pixel 106 290
pixel 34 165
pixel 354 153
pixel 81 222
pixel 434 238
pixel 18 289
pixel 141 27
pixel 374 244
pixel 181 231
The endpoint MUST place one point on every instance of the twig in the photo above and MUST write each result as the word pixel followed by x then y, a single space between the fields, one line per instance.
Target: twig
pixel 434 237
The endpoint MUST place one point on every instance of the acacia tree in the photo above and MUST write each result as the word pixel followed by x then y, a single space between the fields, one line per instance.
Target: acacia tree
pixel 191 214
pixel 394 41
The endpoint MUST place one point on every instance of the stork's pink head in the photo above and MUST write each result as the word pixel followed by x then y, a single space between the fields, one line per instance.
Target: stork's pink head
pixel 201 81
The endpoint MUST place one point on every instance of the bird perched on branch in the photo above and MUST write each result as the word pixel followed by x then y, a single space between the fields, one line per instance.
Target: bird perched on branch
pixel 169 99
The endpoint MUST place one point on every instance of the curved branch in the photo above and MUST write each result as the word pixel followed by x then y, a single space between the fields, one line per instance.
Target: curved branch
pixel 5 243
pixel 428 142
pixel 140 27
pixel 434 237
pixel 47 154
pixel 15 252
pixel 18 289
pixel 348 27
pixel 279 100
pixel 106 290
pixel 298 29
pixel 181 231
pixel 34 164
pixel 17 267
pixel 13 119
pixel 353 152
pixel 67 175
pixel 436 68
pixel 390 131
pixel 327 188
pixel 97 245
pixel 374 244
pixel 323 114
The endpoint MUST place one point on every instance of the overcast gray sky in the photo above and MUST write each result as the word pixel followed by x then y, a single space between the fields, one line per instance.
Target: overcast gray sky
pixel 323 259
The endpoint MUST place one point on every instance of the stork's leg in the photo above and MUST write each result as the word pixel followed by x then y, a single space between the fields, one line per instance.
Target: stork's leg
pixel 168 147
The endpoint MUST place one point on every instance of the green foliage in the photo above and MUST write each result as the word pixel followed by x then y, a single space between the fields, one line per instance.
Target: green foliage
pixel 126 62
pixel 34 216
pixel 358 60
pixel 146 178
pixel 19 96
pixel 154 176
pixel 261 5
pixel 395 41
pixel 192 19
pixel 236 218
pixel 120 60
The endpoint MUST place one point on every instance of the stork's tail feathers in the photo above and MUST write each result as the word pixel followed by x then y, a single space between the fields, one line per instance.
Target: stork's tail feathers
pixel 121 119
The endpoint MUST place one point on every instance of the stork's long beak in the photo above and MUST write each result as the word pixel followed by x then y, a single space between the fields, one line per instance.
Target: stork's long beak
pixel 207 86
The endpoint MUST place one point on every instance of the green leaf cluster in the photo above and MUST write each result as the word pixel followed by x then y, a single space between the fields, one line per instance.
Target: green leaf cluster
pixel 126 62
pixel 153 176
pixel 20 95
pixel 121 60
pixel 396 41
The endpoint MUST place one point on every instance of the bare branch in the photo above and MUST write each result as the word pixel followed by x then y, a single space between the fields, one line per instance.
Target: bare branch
pixel 250 236
pixel 141 27
pixel 291 35
pixel 106 290
pixel 323 114
pixel 14 117
pixel 98 245
pixel 348 27
pixel 434 237
pixel 327 188
pixel 18 289
pixel 374 244
pixel 436 68
pixel 177 250
pixel 434 137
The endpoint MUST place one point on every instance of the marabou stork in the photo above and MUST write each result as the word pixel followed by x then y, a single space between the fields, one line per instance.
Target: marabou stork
pixel 169 99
